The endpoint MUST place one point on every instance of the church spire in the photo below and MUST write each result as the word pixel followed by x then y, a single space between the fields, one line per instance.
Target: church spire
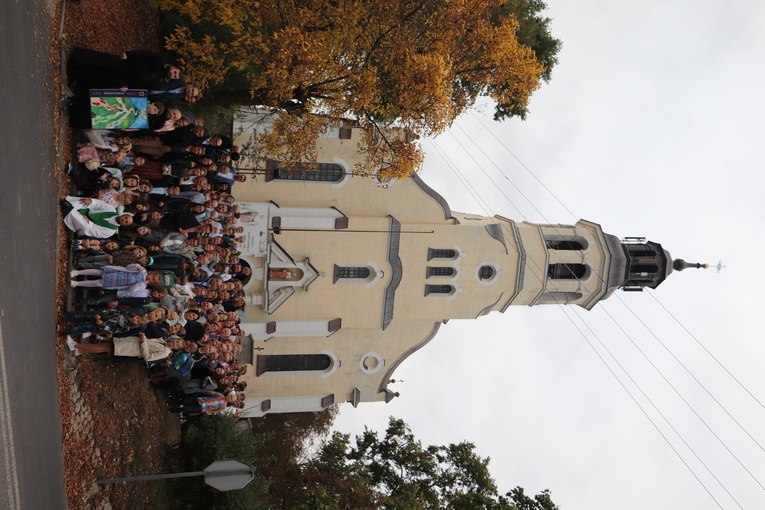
pixel 647 264
pixel 680 264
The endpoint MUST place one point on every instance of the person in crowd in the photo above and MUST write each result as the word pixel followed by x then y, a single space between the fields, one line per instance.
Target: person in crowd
pixel 148 349
pixel 140 69
pixel 156 270
pixel 92 217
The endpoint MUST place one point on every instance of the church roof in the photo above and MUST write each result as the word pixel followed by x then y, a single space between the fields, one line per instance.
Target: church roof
pixel 434 195
pixel 386 378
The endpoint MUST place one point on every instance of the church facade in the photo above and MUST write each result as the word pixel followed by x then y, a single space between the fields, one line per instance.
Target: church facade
pixel 351 275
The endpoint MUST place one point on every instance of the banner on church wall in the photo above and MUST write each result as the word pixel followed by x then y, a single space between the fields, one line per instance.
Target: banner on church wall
pixel 254 219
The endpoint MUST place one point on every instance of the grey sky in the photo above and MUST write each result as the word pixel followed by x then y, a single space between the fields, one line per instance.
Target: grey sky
pixel 653 125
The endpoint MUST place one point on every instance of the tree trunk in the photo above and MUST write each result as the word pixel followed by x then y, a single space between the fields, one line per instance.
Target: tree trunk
pixel 243 98
pixel 231 98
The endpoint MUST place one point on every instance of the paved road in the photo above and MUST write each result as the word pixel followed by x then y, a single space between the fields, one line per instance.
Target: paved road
pixel 31 467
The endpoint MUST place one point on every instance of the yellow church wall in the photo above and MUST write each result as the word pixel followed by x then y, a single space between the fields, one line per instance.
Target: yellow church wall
pixel 475 247
pixel 597 259
pixel 535 280
pixel 360 196
pixel 533 271
pixel 357 304
pixel 347 345
pixel 520 277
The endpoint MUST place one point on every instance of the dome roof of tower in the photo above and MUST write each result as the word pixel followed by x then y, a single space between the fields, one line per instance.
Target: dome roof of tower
pixel 668 256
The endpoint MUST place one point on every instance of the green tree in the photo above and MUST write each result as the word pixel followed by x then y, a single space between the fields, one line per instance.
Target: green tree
pixel 516 499
pixel 395 471
pixel 286 440
pixel 217 437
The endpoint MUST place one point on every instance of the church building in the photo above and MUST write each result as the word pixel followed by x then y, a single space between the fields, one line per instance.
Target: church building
pixel 351 275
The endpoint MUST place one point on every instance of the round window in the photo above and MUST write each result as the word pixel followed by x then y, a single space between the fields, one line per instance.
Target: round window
pixel 486 272
pixel 371 362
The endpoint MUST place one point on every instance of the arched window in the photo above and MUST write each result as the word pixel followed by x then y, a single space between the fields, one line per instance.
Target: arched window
pixel 485 272
pixel 566 271
pixel 438 289
pixel 351 272
pixel 357 274
pixel 441 253
pixel 564 245
pixel 439 271
pixel 293 363
pixel 644 268
pixel 319 172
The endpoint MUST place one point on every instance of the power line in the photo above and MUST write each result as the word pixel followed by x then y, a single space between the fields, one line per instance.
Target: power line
pixel 683 398
pixel 530 172
pixel 708 352
pixel 630 308
pixel 655 408
pixel 469 187
pixel 524 165
pixel 497 167
pixel 697 382
pixel 463 181
pixel 487 210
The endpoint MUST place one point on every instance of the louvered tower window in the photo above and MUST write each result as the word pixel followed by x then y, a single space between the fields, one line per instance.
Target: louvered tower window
pixel 439 271
pixel 441 253
pixel 566 271
pixel 438 289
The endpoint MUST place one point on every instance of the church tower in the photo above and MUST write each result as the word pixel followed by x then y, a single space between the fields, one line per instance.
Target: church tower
pixel 583 265
pixel 352 275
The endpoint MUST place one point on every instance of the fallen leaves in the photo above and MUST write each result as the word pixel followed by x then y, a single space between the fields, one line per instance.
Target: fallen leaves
pixel 118 426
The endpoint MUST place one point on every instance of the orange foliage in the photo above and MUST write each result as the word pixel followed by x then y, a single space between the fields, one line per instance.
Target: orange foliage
pixel 413 64
pixel 292 138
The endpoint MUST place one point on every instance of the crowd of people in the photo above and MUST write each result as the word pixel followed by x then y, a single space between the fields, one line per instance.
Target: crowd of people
pixel 156 272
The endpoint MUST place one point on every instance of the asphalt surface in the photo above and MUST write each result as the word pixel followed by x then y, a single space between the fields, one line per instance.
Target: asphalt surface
pixel 31 466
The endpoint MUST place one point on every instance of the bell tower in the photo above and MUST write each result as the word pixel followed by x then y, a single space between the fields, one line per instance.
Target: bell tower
pixel 582 265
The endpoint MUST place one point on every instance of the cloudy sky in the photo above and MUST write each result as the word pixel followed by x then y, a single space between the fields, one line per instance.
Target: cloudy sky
pixel 653 125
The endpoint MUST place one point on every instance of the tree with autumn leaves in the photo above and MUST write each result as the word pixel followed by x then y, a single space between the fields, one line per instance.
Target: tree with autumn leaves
pixel 408 66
